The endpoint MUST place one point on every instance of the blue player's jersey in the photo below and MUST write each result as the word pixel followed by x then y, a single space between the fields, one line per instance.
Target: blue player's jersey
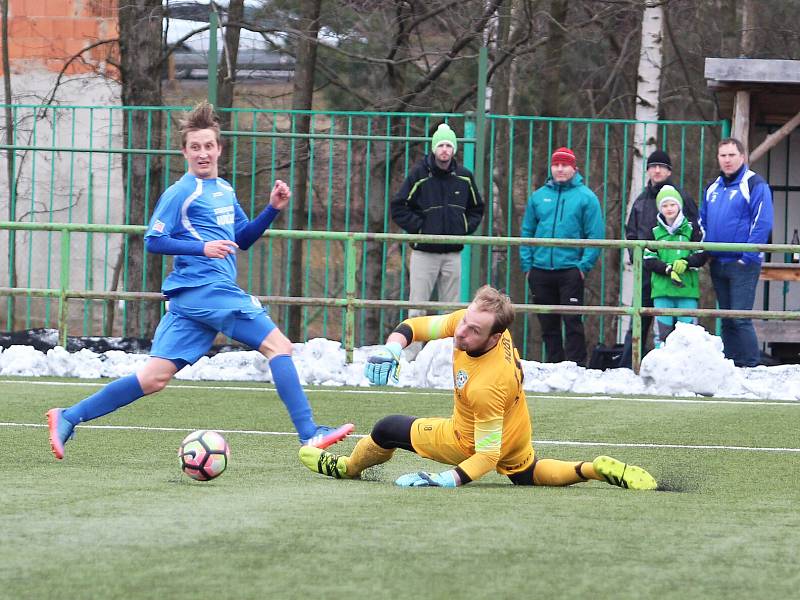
pixel 198 210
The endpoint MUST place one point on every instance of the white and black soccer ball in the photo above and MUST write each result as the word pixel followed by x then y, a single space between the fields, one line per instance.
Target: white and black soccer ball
pixel 204 455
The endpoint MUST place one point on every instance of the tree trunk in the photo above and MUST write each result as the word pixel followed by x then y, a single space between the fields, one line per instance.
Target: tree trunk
pixel 551 77
pixel 748 39
pixel 501 105
pixel 226 80
pixel 140 31
pixel 645 136
pixel 302 97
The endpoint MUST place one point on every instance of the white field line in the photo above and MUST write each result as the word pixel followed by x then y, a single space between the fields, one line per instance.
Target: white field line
pixel 536 442
pixel 401 392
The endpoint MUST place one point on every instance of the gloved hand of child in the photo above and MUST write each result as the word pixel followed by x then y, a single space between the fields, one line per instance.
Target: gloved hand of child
pixel 679 266
pixel 674 278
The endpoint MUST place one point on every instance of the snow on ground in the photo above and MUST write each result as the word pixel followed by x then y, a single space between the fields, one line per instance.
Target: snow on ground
pixel 690 363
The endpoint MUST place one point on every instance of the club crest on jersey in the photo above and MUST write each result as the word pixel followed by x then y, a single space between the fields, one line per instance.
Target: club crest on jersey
pixel 461 378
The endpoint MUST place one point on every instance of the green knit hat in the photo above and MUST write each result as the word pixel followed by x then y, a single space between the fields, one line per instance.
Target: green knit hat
pixel 443 133
pixel 668 193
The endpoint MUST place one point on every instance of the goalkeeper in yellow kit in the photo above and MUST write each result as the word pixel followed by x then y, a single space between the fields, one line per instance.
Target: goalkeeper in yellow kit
pixel 490 429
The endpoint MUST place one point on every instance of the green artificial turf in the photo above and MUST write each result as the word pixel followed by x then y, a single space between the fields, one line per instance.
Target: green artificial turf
pixel 117 519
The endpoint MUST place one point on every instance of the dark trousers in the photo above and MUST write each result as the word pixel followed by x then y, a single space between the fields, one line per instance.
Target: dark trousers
pixel 735 284
pixel 626 359
pixel 560 286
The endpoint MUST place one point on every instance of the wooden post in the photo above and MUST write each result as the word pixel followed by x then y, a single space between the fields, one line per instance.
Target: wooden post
pixel 741 118
pixel 774 139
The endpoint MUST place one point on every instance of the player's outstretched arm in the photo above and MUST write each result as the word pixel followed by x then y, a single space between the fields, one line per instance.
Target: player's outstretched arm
pixel 279 197
pixel 249 232
pixel 384 364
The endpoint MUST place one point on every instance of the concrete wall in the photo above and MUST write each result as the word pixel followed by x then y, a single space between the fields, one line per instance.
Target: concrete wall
pixel 60 186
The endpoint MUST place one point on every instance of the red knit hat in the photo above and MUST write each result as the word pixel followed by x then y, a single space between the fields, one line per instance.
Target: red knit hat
pixel 564 156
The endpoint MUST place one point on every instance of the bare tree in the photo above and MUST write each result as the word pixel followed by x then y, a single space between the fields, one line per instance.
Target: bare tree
pixel 648 79
pixel 302 98
pixel 226 76
pixel 141 59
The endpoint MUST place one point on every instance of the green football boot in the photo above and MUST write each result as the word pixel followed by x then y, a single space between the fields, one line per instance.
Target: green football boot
pixel 327 463
pixel 623 475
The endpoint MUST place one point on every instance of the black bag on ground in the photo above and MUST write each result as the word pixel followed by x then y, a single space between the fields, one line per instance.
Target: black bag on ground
pixel 605 357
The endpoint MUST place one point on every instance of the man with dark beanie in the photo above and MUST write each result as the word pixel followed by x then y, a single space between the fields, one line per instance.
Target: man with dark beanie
pixel 641 220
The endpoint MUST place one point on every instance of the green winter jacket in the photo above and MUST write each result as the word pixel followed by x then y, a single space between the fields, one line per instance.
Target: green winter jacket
pixel 656 261
pixel 567 211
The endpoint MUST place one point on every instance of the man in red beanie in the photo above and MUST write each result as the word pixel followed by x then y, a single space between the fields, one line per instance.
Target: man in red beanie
pixel 562 208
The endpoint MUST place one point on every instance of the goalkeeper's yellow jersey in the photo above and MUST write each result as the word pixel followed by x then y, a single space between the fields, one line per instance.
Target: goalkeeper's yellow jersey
pixel 490 417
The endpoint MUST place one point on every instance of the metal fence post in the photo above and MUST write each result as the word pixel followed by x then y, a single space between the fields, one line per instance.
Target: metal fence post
pixel 350 295
pixel 63 313
pixel 636 304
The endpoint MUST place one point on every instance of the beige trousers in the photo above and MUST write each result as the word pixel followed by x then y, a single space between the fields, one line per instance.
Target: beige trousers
pixel 428 269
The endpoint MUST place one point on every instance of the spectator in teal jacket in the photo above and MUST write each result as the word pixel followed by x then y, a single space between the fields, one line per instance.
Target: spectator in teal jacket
pixel 562 208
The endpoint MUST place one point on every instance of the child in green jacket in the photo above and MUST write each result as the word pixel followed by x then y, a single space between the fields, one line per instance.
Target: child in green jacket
pixel 674 273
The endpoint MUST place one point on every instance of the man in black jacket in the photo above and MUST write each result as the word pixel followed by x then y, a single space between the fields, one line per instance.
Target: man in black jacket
pixel 641 220
pixel 438 197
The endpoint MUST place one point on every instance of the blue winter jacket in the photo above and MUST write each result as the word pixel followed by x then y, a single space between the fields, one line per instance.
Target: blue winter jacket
pixel 737 209
pixel 568 210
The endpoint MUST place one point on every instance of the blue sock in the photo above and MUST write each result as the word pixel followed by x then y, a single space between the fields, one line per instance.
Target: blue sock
pixel 111 397
pixel 291 393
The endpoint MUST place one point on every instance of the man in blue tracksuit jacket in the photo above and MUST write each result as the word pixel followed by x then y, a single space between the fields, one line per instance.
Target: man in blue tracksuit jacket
pixel 562 208
pixel 737 207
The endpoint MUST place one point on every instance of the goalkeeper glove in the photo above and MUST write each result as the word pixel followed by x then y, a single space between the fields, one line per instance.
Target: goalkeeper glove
pixel 447 479
pixel 674 278
pixel 679 266
pixel 382 365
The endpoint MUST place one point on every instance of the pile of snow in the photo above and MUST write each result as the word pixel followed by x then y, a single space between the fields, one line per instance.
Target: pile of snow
pixel 690 363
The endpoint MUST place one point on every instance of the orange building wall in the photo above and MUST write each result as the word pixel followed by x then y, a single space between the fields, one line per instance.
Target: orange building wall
pixel 50 32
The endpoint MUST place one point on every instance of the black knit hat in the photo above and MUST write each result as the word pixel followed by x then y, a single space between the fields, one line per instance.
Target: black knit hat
pixel 659 157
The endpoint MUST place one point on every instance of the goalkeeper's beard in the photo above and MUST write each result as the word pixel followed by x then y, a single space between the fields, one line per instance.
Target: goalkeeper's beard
pixel 461 344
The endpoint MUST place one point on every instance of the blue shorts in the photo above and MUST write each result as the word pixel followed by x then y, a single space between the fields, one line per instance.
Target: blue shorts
pixel 195 316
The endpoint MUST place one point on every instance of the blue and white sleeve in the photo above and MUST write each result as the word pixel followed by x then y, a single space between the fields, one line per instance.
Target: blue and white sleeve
pixel 164 223
pixel 247 235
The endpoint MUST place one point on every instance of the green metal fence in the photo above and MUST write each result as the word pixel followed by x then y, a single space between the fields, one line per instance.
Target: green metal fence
pixel 350 305
pixel 107 165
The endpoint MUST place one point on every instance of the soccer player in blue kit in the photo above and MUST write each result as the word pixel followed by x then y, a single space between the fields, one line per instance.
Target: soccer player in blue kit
pixel 199 220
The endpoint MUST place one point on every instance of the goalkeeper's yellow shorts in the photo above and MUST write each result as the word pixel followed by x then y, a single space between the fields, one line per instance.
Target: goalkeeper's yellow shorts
pixel 435 438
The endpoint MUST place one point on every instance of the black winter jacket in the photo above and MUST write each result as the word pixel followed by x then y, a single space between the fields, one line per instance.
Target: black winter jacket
pixel 433 201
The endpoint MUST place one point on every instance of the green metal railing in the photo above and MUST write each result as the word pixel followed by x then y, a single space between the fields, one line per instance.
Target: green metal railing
pixel 73 164
pixel 352 305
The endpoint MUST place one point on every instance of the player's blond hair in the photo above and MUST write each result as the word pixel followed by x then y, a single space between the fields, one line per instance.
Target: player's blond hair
pixel 490 300
pixel 202 116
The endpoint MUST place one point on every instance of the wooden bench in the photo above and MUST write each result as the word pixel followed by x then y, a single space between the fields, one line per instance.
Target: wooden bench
pixel 782 337
pixel 776 331
pixel 780 272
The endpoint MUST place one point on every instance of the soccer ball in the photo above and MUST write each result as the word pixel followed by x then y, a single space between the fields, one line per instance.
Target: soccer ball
pixel 204 455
